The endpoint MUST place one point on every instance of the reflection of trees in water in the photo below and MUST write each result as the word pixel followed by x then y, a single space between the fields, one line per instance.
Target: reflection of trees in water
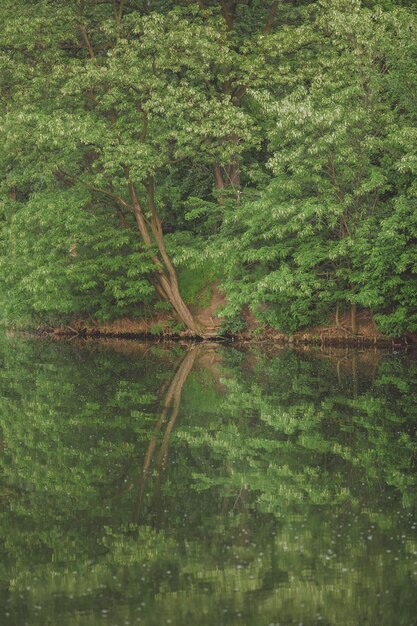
pixel 273 457
pixel 327 422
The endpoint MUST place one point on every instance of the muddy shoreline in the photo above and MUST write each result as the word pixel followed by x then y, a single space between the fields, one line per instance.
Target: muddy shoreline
pixel 314 338
pixel 159 328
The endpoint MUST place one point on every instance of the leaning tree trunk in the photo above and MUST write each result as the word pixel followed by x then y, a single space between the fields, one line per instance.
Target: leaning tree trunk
pixel 165 279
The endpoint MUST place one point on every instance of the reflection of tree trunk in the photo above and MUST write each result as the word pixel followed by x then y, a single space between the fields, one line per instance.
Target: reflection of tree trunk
pixel 355 374
pixel 339 378
pixel 241 500
pixel 170 410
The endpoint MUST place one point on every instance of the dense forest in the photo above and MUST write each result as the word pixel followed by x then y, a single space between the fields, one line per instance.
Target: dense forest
pixel 153 149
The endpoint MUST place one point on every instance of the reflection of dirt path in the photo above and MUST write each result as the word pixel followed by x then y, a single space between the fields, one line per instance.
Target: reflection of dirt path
pixel 170 409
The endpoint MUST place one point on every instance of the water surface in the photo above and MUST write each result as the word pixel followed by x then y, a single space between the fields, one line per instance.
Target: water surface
pixel 208 486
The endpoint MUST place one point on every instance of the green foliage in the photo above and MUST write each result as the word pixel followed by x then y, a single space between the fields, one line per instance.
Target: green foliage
pixel 156 329
pixel 196 284
pixel 63 256
pixel 336 224
pixel 281 150
pixel 232 325
pixel 114 103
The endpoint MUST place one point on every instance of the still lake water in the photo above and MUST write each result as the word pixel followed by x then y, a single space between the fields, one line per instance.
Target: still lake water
pixel 216 485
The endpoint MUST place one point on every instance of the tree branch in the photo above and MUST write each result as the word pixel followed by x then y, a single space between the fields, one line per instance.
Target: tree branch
pixel 110 194
pixel 107 193
pixel 271 17
pixel 118 12
pixel 238 93
pixel 87 42
pixel 144 127
pixel 228 11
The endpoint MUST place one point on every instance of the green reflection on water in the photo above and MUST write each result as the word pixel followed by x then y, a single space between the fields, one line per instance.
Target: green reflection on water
pixel 207 486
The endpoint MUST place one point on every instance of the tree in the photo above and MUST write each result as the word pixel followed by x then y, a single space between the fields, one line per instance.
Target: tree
pixel 194 124
pixel 340 163
pixel 119 100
